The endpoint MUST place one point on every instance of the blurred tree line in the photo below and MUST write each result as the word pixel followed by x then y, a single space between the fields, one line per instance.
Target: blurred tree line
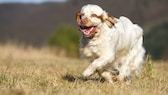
pixel 67 38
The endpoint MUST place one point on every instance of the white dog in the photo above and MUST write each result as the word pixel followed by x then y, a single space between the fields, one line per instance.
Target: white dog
pixel 113 46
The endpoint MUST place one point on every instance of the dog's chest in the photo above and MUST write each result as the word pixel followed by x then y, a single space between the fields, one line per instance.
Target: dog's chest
pixel 91 50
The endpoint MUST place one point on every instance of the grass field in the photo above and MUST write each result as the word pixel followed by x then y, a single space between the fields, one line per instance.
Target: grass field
pixel 30 71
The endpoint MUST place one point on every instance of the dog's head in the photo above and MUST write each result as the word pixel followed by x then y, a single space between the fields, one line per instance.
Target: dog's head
pixel 91 17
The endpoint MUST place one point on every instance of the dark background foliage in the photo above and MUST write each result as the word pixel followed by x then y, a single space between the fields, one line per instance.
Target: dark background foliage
pixel 67 38
pixel 156 41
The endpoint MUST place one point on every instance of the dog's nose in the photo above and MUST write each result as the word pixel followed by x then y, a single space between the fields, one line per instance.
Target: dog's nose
pixel 84 21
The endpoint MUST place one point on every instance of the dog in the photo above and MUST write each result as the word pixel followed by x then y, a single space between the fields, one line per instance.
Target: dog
pixel 112 45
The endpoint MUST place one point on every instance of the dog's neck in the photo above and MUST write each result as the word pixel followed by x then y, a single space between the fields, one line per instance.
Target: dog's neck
pixel 87 38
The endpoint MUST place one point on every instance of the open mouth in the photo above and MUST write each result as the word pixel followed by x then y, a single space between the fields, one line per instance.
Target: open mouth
pixel 87 30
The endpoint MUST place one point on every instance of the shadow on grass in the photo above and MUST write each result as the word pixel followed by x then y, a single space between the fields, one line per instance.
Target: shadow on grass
pixel 71 78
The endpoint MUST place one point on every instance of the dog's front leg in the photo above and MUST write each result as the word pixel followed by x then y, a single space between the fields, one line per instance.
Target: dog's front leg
pixel 98 64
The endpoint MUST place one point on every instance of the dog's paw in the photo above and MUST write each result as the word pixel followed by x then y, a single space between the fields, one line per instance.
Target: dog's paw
pixel 88 72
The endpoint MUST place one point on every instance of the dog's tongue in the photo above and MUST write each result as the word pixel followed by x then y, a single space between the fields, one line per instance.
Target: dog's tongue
pixel 87 31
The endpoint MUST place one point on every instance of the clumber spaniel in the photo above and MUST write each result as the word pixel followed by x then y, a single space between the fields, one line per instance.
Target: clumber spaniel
pixel 113 46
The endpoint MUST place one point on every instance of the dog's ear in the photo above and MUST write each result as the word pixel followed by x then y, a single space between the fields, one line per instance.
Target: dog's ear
pixel 78 17
pixel 110 21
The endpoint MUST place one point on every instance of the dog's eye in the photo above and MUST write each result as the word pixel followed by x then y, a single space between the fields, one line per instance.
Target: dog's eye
pixel 94 15
pixel 80 16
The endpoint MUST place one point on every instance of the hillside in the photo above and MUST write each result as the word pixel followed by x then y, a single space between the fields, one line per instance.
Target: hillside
pixel 32 24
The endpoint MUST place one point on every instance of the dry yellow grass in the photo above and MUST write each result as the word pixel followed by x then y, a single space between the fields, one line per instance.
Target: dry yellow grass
pixel 30 71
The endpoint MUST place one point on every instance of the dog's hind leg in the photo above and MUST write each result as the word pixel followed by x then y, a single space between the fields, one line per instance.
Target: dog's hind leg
pixel 109 75
pixel 132 64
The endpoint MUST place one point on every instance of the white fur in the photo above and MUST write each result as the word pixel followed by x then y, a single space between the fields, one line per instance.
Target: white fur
pixel 117 48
